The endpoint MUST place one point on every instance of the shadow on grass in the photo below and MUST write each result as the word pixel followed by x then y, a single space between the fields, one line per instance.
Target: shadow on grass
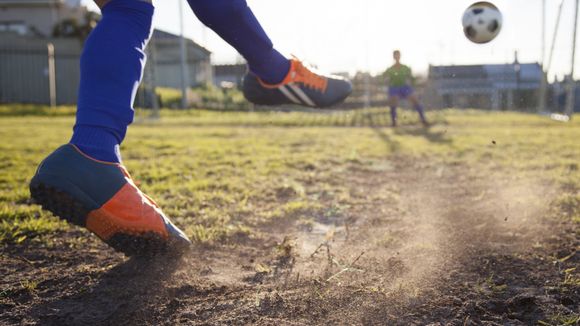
pixel 392 145
pixel 377 122
pixel 121 296
pixel 426 132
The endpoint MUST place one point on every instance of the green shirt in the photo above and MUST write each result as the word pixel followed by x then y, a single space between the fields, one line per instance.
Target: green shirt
pixel 398 75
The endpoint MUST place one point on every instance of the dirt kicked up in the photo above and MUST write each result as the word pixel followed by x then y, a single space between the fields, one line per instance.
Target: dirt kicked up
pixel 474 221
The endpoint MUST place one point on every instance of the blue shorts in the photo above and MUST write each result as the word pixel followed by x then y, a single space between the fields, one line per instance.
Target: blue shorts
pixel 401 92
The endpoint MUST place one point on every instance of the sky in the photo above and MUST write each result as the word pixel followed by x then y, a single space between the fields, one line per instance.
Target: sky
pixel 349 35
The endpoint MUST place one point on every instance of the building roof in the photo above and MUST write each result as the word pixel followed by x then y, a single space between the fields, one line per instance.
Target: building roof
pixel 231 69
pixel 493 76
pixel 160 35
pixel 527 71
pixel 30 2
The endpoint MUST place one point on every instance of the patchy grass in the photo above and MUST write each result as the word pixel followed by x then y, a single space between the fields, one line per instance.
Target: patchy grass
pixel 35 110
pixel 205 96
pixel 217 174
pixel 237 182
pixel 562 320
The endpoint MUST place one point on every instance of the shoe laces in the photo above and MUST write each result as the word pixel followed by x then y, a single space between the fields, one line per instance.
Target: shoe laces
pixel 310 79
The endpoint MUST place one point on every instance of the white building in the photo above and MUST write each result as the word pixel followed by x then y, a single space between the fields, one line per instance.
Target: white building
pixel 38 17
pixel 493 86
pixel 27 28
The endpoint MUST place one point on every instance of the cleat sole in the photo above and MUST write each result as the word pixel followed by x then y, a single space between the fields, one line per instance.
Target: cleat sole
pixel 146 244
pixel 67 208
pixel 59 203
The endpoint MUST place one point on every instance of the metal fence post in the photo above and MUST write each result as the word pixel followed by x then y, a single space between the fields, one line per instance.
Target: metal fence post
pixel 183 60
pixel 153 79
pixel 51 75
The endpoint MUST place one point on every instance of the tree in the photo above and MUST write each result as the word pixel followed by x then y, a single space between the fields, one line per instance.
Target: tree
pixel 70 27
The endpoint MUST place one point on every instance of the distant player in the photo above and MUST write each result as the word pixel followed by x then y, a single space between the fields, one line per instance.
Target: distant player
pixel 85 182
pixel 399 78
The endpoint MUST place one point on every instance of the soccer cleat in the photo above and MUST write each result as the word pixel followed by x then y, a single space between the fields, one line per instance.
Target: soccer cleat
pixel 301 86
pixel 102 197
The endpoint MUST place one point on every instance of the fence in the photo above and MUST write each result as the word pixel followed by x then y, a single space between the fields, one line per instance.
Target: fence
pixel 47 71
pixel 39 71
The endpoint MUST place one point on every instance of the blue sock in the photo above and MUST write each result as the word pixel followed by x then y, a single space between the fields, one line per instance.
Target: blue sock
pixel 393 114
pixel 421 112
pixel 111 69
pixel 233 21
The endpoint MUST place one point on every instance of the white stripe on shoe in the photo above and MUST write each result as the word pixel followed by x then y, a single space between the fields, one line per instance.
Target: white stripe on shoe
pixel 288 94
pixel 301 95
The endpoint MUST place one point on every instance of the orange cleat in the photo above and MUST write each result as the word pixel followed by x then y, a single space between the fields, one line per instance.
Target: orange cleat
pixel 302 86
pixel 102 197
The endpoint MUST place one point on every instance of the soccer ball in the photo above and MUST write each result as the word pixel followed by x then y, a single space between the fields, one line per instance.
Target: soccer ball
pixel 482 22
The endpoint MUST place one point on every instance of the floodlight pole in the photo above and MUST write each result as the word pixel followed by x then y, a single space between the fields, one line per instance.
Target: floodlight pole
pixel 367 76
pixel 183 59
pixel 543 32
pixel 548 65
pixel 554 36
pixel 544 83
pixel 570 101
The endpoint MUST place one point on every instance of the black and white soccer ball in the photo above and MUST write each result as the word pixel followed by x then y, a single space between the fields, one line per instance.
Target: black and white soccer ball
pixel 482 22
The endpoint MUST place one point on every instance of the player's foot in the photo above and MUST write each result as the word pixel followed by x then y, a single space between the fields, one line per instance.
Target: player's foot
pixel 103 198
pixel 301 86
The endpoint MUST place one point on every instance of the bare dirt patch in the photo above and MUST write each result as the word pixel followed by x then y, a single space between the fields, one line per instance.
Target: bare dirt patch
pixel 414 243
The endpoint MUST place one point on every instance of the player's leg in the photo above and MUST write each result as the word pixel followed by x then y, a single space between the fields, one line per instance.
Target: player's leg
pixel 111 68
pixel 84 182
pixel 273 79
pixel 393 104
pixel 418 107
pixel 236 24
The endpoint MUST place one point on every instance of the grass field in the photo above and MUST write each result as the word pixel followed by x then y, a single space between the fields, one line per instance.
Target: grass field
pixel 259 189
